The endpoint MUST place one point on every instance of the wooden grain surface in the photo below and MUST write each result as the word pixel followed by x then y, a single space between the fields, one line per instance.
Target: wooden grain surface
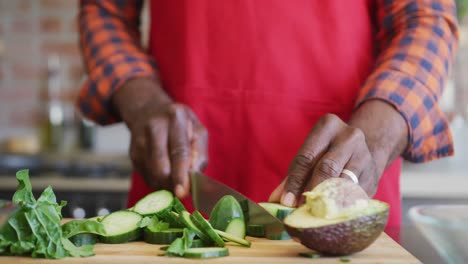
pixel 384 251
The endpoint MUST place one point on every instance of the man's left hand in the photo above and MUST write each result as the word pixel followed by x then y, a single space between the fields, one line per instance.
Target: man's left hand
pixel 364 146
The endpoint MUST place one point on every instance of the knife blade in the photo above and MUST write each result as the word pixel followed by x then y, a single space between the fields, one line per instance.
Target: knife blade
pixel 207 191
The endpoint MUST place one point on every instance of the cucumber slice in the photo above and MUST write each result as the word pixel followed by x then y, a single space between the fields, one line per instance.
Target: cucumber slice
pixel 84 239
pixel 278 210
pixel 156 203
pixel 162 237
pixel 225 210
pixel 121 227
pixel 256 230
pixel 244 204
pixel 178 206
pixel 282 236
pixel 173 219
pixel 236 227
pixel 233 238
pixel 185 218
pixel 198 243
pixel 206 228
pixel 208 252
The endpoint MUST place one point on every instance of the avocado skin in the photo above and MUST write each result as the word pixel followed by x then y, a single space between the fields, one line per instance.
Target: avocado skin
pixel 342 238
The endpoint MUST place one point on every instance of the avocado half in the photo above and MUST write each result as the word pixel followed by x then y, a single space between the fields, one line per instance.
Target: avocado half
pixel 345 233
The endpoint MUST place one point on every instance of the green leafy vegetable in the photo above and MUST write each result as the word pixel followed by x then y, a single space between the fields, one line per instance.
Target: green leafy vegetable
pixel 345 259
pixel 176 248
pixel 145 221
pixel 34 229
pixel 74 251
pixel 76 227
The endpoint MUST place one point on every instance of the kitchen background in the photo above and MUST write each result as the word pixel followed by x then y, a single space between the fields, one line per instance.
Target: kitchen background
pixel 41 72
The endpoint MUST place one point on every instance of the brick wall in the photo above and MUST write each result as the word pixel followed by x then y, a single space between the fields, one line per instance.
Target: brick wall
pixel 30 30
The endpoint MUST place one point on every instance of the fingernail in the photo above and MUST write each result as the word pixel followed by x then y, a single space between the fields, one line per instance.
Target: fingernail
pixel 288 199
pixel 179 191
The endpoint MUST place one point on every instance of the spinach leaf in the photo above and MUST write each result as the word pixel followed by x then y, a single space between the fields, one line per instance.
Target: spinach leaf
pixel 181 244
pixel 82 226
pixel 158 226
pixel 35 229
pixel 176 248
pixel 74 251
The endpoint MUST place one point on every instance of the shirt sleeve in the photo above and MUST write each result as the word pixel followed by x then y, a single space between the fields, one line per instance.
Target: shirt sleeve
pixel 416 43
pixel 112 52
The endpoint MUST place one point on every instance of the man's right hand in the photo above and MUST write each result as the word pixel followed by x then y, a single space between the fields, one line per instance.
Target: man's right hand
pixel 167 139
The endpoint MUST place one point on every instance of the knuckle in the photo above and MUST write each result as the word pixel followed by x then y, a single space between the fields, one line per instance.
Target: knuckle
pixel 176 110
pixel 305 160
pixel 357 134
pixel 162 172
pixel 180 153
pixel 330 118
pixel 329 167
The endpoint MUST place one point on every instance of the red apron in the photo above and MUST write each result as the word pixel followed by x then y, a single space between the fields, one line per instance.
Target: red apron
pixel 259 74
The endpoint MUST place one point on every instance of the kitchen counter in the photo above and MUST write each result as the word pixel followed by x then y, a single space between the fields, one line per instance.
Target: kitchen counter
pixel 60 183
pixel 383 250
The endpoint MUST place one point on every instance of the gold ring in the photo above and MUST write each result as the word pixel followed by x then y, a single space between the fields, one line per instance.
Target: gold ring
pixel 351 174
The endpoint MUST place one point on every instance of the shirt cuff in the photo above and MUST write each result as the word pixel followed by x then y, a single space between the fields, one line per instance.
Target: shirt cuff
pixel 94 99
pixel 429 133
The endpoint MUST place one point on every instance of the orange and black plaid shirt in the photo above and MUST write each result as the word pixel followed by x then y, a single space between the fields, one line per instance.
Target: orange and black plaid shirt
pixel 416 41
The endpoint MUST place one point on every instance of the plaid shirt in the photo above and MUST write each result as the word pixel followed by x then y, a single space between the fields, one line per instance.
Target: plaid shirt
pixel 416 42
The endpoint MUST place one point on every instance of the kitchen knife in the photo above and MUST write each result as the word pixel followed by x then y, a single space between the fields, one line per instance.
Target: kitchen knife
pixel 207 191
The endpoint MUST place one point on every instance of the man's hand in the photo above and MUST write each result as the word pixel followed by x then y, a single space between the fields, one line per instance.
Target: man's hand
pixel 375 136
pixel 167 139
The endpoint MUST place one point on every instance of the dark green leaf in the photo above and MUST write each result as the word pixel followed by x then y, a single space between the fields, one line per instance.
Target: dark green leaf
pixel 74 251
pixel 145 221
pixel 176 248
pixel 82 226
pixel 23 194
pixel 187 237
pixel 34 229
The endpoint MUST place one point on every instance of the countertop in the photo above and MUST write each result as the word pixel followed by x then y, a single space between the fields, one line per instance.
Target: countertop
pixel 383 250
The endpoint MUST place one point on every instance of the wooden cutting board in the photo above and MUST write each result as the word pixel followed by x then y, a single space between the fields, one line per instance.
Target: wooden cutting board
pixel 384 250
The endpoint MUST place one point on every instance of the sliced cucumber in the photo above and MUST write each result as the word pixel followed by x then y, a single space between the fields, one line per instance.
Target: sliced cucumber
pixel 233 238
pixel 84 239
pixel 244 204
pixel 185 218
pixel 236 227
pixel 282 236
pixel 162 237
pixel 156 203
pixel 197 243
pixel 256 230
pixel 278 210
pixel 173 219
pixel 206 228
pixel 208 252
pixel 225 210
pixel 121 227
pixel 178 206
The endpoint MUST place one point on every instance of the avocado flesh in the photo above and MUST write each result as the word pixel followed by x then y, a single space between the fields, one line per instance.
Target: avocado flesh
pixel 339 236
pixel 302 218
